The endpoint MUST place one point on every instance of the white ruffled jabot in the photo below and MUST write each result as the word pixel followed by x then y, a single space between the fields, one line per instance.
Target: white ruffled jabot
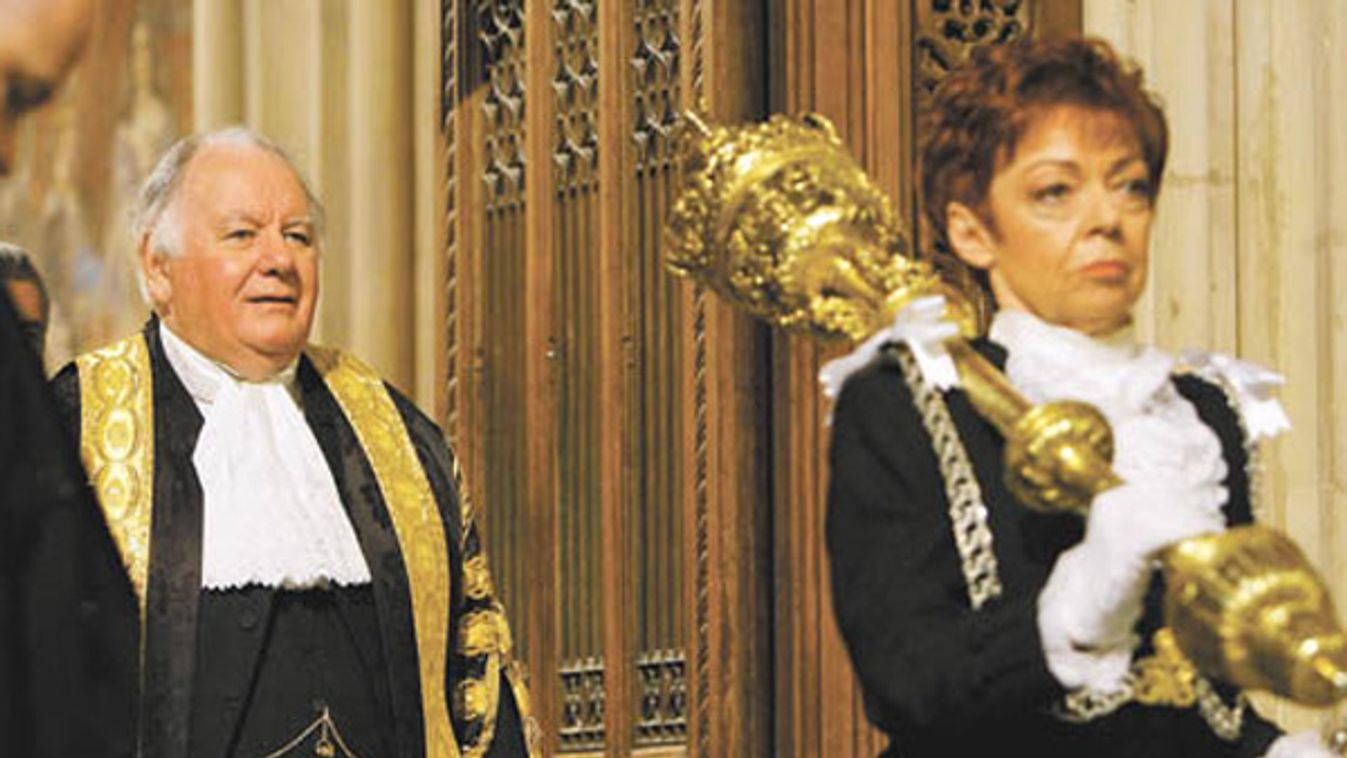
pixel 271 512
pixel 1157 435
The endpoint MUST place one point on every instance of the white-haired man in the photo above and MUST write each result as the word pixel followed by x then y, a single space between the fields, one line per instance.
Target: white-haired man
pixel 308 577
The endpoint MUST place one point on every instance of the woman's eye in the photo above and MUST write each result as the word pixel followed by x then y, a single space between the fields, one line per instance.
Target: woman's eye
pixel 1140 188
pixel 1053 193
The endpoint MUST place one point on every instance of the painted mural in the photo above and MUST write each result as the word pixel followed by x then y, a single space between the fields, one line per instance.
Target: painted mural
pixel 82 159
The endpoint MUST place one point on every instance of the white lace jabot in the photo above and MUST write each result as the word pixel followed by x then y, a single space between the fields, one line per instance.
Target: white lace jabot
pixel 271 512
pixel 1158 437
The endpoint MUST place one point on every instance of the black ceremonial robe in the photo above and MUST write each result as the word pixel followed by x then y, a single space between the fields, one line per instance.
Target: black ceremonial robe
pixel 184 713
pixel 68 624
pixel 941 678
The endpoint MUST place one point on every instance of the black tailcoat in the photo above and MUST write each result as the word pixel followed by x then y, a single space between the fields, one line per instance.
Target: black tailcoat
pixel 940 678
pixel 68 620
pixel 170 688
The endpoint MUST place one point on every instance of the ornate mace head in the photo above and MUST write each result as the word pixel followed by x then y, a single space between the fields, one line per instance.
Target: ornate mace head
pixel 779 219
pixel 1246 606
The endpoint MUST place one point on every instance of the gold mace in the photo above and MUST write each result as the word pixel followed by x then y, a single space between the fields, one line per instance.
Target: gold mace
pixel 779 219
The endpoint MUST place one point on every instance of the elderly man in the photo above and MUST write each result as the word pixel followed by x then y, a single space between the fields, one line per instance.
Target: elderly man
pixel 67 616
pixel 309 579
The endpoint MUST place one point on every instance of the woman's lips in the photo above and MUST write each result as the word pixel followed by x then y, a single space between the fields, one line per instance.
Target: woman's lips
pixel 1107 270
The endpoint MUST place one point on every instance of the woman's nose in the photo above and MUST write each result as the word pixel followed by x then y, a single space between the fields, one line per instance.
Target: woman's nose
pixel 1105 211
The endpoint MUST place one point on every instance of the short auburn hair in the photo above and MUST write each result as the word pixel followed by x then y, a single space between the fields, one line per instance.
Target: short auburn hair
pixel 981 110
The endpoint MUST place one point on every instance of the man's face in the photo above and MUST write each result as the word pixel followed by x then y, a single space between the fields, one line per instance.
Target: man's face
pixel 242 288
pixel 39 39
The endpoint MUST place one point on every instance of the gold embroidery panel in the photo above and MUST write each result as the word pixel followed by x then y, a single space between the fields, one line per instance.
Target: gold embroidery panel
pixel 416 521
pixel 117 447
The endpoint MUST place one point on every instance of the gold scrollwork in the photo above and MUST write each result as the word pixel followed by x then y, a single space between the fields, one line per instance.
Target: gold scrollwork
pixel 416 520
pixel 117 447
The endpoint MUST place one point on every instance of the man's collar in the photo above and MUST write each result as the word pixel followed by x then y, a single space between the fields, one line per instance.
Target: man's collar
pixel 203 376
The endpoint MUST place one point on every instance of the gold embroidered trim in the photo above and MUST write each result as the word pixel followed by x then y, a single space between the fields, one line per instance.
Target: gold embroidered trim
pixel 484 632
pixel 484 636
pixel 484 642
pixel 1165 679
pixel 416 519
pixel 967 511
pixel 117 446
pixel 533 733
pixel 477 578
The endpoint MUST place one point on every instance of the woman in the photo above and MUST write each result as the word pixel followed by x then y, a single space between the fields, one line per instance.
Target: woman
pixel 977 625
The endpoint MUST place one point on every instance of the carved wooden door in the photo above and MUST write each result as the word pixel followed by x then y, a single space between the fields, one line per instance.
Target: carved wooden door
pixel 646 463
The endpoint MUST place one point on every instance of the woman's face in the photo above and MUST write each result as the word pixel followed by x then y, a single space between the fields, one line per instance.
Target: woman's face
pixel 1070 218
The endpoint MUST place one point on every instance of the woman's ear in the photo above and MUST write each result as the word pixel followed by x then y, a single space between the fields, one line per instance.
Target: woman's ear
pixel 970 238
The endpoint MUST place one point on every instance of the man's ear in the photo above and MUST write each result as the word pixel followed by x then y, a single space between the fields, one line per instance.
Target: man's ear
pixel 154 266
pixel 970 238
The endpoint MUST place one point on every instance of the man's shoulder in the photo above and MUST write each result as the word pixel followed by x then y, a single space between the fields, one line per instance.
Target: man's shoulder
pixel 128 353
pixel 340 365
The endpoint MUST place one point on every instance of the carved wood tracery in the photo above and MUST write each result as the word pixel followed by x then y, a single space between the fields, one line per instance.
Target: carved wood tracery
pixel 619 428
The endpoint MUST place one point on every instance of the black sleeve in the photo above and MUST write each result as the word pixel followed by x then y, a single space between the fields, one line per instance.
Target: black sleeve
pixel 68 618
pixel 924 657
pixel 436 458
pixel 66 390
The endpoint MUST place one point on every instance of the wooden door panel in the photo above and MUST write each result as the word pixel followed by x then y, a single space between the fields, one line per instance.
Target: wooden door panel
pixel 647 463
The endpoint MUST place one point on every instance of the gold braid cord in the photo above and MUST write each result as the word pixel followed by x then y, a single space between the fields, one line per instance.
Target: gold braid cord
pixel 485 645
pixel 1166 678
pixel 117 446
pixel 967 511
pixel 416 520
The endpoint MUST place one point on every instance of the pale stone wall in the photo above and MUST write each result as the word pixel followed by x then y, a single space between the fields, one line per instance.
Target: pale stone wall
pixel 350 88
pixel 1250 249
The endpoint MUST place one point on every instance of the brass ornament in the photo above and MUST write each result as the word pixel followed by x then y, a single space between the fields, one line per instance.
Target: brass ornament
pixel 1057 457
pixel 1167 677
pixel 1245 607
pixel 780 220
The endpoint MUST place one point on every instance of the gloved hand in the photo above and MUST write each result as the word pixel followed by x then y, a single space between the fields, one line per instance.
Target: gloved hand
pixel 1307 744
pixel 1091 601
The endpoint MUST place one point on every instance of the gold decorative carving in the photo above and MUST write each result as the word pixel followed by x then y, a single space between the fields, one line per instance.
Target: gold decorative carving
pixel 779 219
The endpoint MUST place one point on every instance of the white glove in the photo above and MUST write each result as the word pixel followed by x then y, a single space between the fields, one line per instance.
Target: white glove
pixel 1307 744
pixel 1093 596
